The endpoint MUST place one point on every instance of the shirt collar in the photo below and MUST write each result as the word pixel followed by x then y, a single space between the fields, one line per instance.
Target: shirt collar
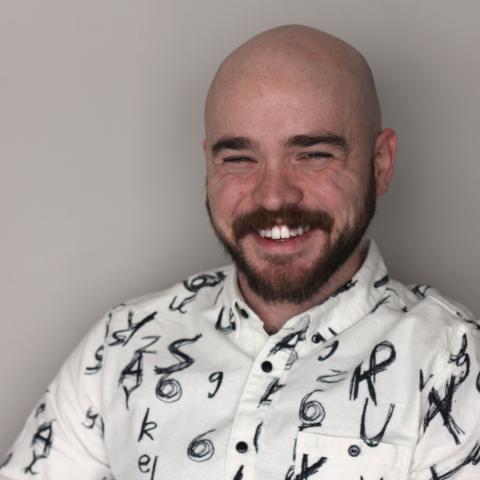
pixel 342 309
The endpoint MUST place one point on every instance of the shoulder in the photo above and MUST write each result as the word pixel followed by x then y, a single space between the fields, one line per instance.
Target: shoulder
pixel 199 285
pixel 434 309
pixel 136 324
pixel 431 326
pixel 196 293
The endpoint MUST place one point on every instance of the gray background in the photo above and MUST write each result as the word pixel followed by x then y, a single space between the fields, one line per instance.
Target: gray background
pixel 102 181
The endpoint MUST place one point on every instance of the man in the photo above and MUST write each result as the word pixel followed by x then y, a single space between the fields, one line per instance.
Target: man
pixel 303 361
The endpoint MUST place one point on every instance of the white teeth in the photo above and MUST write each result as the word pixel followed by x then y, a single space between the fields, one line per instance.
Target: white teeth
pixel 276 233
pixel 282 232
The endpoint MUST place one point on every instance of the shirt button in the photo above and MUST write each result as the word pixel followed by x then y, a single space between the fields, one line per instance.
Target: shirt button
pixel 354 450
pixel 241 447
pixel 267 366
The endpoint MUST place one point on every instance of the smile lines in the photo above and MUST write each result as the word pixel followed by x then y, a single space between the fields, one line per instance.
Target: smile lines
pixel 282 232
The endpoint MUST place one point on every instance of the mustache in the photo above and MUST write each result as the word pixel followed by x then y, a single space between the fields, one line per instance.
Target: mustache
pixel 292 216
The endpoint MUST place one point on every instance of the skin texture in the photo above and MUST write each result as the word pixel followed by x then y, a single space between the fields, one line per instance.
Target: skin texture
pixel 286 82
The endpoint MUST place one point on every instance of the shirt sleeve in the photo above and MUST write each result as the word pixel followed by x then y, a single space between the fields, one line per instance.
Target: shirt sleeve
pixel 63 436
pixel 449 437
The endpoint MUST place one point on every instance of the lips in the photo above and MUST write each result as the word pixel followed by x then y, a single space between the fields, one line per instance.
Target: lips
pixel 286 223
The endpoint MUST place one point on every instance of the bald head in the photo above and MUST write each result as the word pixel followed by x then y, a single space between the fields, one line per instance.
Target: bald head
pixel 296 57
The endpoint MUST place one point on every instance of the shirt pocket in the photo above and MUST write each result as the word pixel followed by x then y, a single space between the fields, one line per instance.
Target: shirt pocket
pixel 330 457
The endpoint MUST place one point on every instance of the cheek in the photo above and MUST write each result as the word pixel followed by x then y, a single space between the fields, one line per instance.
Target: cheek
pixel 226 195
pixel 337 193
pixel 327 190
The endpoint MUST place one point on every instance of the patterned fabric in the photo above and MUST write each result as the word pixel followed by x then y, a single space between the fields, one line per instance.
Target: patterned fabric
pixel 378 382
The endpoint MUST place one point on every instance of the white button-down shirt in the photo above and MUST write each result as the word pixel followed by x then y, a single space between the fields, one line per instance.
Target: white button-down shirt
pixel 380 381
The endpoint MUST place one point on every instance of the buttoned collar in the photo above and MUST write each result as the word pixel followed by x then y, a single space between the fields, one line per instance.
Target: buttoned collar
pixel 342 309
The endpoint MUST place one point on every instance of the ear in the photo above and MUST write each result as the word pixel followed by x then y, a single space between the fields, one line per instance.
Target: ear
pixel 384 158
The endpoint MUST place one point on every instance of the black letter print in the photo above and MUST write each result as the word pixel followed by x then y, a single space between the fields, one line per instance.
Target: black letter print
pixel 181 306
pixel 147 465
pixel 147 427
pixel 462 358
pixel 6 461
pixel 99 352
pixel 215 377
pixel 290 472
pixel 309 470
pixel 91 421
pixel 41 445
pixel 330 349
pixel 40 409
pixel 194 285
pixel 133 371
pixel 421 290
pixel 335 376
pixel 204 280
pixel 472 458
pixel 201 449
pixel 289 343
pixel 376 439
pixel 374 368
pixel 382 301
pixel 272 388
pixel 345 288
pixel 422 381
pixel 382 282
pixel 311 412
pixel 230 327
pixel 122 337
pixel 239 474
pixel 443 405
pixel 258 431
pixel 168 389
pixel 99 358
pixel 385 299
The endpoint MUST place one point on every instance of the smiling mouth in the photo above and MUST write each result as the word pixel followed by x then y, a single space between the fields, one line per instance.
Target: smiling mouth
pixel 282 232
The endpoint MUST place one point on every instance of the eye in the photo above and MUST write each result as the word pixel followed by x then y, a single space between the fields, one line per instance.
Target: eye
pixel 238 164
pixel 316 155
pixel 315 160
pixel 237 159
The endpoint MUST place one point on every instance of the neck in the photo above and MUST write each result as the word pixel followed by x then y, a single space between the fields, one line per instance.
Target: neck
pixel 275 315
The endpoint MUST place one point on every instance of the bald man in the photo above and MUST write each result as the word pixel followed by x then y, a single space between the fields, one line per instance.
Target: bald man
pixel 302 360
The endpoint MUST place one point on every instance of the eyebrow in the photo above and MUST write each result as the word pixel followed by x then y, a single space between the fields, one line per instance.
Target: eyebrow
pixel 231 143
pixel 311 140
pixel 243 143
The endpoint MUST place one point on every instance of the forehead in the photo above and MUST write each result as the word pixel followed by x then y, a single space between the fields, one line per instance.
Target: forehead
pixel 282 104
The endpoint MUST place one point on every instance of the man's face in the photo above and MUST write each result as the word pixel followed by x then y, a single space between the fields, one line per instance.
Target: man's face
pixel 291 183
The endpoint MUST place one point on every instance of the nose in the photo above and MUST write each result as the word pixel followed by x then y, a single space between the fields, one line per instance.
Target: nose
pixel 276 187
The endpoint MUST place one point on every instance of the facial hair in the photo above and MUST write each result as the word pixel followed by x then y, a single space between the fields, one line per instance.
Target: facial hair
pixel 281 285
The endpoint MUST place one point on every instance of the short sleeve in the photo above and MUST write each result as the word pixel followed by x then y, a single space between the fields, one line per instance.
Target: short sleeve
pixel 63 436
pixel 449 437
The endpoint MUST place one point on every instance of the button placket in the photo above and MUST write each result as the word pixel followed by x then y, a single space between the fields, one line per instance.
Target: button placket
pixel 268 369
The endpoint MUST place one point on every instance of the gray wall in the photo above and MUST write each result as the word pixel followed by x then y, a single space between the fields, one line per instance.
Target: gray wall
pixel 101 180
